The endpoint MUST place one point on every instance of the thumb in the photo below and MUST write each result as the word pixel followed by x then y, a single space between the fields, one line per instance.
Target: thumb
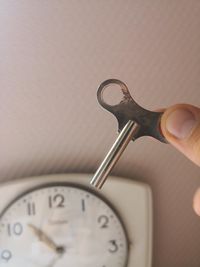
pixel 180 125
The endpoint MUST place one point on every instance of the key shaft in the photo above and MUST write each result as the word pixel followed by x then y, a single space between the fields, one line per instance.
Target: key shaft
pixel 125 136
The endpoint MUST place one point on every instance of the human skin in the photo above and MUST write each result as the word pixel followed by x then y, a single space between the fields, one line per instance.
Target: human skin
pixel 180 125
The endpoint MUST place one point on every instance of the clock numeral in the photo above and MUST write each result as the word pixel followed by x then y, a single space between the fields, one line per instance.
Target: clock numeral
pixel 114 247
pixel 83 205
pixel 6 255
pixel 56 201
pixel 31 208
pixel 15 229
pixel 103 220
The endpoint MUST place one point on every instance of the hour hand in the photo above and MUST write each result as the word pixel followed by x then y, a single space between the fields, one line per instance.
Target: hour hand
pixel 43 237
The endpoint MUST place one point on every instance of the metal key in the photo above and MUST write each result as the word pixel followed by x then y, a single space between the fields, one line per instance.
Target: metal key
pixel 134 122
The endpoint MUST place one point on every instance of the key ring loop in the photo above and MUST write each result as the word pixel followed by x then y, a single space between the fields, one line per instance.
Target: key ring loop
pixel 106 84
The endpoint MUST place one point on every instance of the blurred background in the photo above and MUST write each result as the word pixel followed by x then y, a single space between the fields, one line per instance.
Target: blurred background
pixel 54 55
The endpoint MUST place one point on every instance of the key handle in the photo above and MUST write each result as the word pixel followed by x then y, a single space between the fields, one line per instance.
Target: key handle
pixel 127 109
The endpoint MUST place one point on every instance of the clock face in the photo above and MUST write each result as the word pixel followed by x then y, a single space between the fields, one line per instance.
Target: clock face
pixel 59 225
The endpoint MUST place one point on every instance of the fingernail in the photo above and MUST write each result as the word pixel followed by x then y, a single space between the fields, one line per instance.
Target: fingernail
pixel 180 123
pixel 197 209
pixel 196 202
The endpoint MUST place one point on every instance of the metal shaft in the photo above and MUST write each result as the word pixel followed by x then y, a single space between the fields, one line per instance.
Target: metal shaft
pixel 125 136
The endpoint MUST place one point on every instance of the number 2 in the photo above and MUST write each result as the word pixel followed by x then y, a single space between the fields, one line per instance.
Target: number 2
pixel 103 220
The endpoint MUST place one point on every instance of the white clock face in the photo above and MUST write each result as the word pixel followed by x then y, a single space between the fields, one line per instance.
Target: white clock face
pixel 61 225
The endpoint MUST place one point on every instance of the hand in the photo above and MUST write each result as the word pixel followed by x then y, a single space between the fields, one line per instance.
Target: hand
pixel 46 239
pixel 180 125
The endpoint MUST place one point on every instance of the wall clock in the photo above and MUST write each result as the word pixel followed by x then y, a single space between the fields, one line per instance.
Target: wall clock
pixel 59 220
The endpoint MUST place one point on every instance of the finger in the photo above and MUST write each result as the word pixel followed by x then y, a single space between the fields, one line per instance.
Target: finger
pixel 180 125
pixel 196 202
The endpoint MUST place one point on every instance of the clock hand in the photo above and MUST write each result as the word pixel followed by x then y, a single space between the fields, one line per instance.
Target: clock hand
pixel 46 239
pixel 52 264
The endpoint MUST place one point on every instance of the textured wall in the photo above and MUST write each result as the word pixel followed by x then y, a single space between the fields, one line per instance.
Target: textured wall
pixel 54 54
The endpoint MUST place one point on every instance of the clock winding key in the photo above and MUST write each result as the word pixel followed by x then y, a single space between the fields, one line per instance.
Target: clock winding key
pixel 134 122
